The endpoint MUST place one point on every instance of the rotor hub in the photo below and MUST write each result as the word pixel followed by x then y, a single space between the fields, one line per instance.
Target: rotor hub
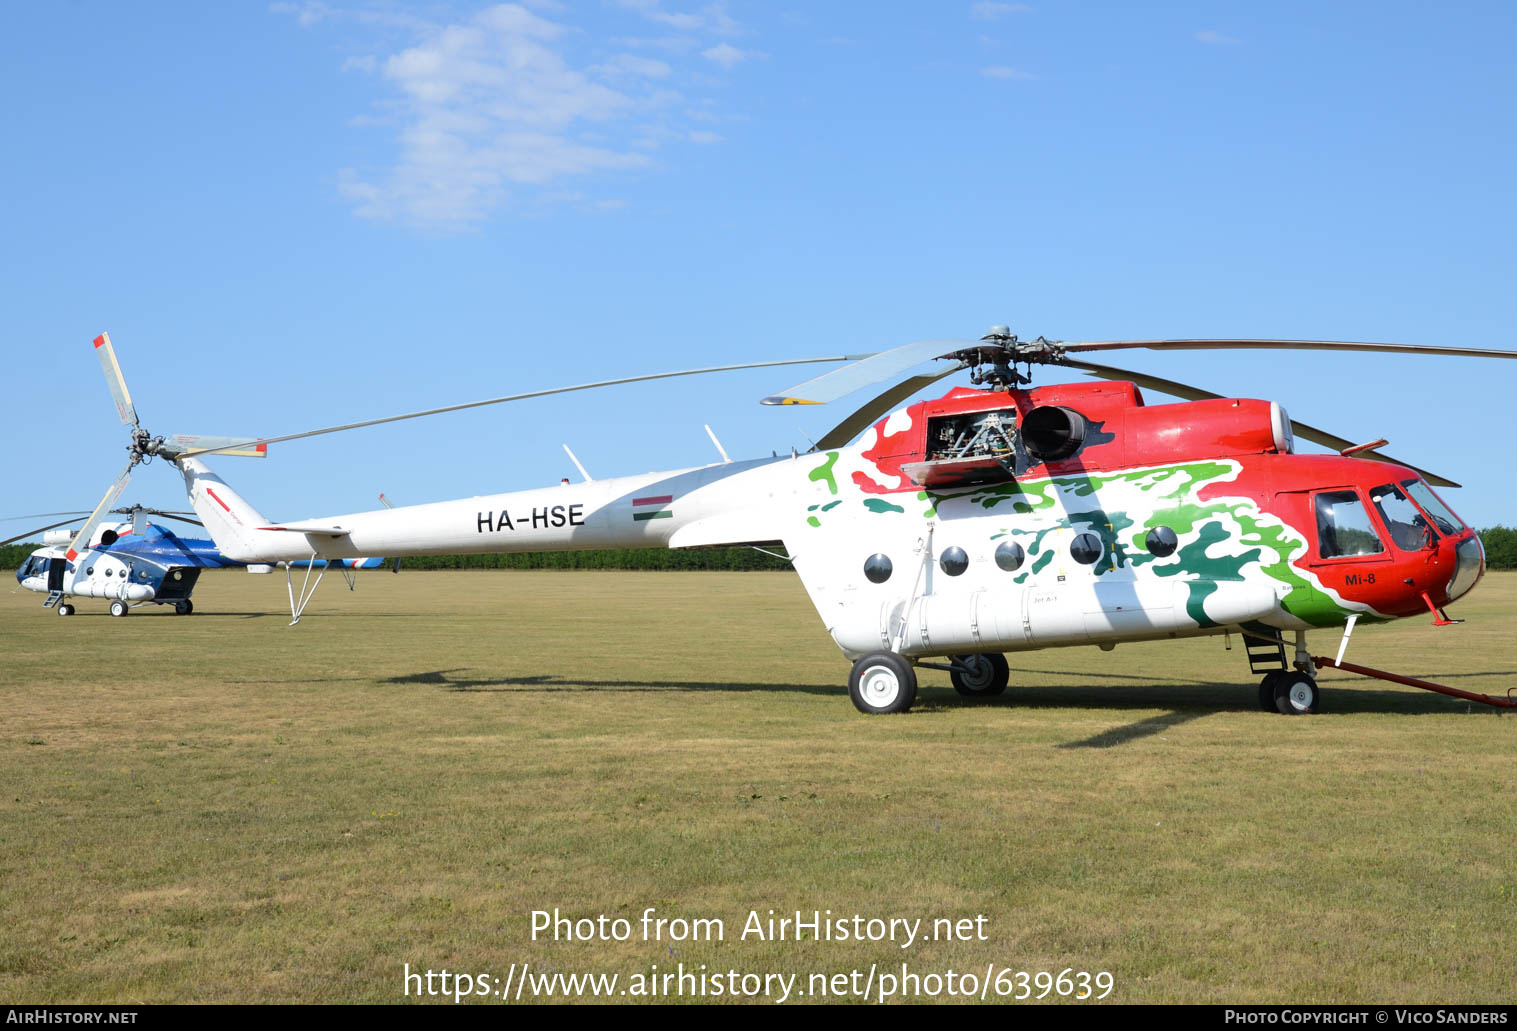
pixel 993 361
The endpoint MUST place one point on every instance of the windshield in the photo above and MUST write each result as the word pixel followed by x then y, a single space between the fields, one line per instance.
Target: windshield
pixel 1442 517
pixel 1343 526
pixel 1408 526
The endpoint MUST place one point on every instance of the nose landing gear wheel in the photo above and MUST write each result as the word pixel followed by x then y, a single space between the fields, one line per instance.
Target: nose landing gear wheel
pixel 983 677
pixel 65 610
pixel 118 608
pixel 1296 694
pixel 882 682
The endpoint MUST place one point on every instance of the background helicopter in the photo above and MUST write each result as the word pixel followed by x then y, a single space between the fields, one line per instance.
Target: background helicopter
pixel 131 563
pixel 998 518
pixel 137 562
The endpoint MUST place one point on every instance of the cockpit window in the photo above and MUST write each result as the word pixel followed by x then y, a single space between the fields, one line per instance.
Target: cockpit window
pixel 1408 526
pixel 1344 528
pixel 1444 519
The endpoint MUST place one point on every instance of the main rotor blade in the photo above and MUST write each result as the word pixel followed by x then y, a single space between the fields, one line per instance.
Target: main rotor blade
pixel 42 515
pixel 1143 379
pixel 1303 345
pixel 516 397
pixel 82 538
pixel 182 519
pixel 870 413
pixel 38 529
pixel 866 371
pixel 1301 429
pixel 113 378
pixel 144 508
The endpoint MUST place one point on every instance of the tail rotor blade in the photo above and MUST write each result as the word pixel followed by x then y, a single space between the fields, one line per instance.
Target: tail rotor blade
pixel 240 446
pixel 113 378
pixel 82 538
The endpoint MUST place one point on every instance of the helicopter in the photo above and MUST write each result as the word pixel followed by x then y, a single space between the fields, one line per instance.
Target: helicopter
pixel 1001 517
pixel 133 563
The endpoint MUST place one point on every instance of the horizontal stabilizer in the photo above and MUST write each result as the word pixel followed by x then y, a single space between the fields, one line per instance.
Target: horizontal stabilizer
pixel 315 528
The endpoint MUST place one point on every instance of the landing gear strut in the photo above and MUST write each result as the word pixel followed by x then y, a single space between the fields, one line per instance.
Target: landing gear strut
pixel 882 682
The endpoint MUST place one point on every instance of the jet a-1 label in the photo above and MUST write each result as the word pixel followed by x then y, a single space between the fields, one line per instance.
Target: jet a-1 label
pixel 545 518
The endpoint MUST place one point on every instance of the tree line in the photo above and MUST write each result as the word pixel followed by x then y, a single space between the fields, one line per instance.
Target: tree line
pixel 1500 553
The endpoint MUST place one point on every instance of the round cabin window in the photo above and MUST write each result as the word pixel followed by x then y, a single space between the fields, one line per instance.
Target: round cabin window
pixel 953 561
pixel 1085 548
pixel 1161 541
pixel 1010 556
pixel 877 568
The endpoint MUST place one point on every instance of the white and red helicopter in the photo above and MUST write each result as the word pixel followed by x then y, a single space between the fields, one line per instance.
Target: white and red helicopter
pixel 998 518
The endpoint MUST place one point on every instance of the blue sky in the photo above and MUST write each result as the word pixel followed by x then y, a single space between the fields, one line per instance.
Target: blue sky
pixel 297 214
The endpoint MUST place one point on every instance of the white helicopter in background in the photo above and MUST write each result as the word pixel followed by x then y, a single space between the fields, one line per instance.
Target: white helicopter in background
pixel 999 518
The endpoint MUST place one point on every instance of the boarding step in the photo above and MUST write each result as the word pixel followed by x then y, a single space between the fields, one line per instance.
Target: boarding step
pixel 53 598
pixel 1266 650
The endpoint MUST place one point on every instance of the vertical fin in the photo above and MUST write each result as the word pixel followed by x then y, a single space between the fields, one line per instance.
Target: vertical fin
pixel 231 521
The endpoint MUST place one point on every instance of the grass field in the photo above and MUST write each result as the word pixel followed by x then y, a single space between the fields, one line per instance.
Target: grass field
pixel 222 808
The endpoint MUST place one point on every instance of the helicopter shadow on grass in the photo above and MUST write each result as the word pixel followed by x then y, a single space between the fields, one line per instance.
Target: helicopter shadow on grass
pixel 548 683
pixel 1185 699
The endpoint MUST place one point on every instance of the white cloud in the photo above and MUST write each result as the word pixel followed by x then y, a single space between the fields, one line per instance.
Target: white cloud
pixel 308 13
pixel 989 11
pixel 491 109
pixel 1214 38
pixel 712 18
pixel 1003 72
pixel 729 56
pixel 631 65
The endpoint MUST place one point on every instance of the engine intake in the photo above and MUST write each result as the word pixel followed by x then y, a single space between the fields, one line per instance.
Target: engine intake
pixel 1052 432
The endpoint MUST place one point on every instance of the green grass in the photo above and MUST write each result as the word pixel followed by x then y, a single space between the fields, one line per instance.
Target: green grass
pixel 222 808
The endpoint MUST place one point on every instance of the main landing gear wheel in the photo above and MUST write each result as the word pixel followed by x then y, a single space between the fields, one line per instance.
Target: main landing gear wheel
pixel 983 676
pixel 1296 694
pixel 65 610
pixel 1267 690
pixel 118 608
pixel 882 682
pixel 184 608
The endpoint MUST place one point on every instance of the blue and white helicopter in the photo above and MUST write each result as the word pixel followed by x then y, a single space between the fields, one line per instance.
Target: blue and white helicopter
pixel 136 562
